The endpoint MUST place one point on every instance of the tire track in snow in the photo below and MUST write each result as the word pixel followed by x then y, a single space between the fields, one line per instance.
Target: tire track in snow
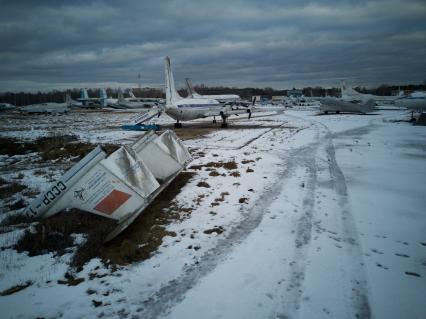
pixel 358 274
pixel 358 281
pixel 305 158
pixel 161 302
pixel 174 292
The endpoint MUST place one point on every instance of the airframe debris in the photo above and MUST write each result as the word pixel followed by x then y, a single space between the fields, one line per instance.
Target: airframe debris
pixel 119 186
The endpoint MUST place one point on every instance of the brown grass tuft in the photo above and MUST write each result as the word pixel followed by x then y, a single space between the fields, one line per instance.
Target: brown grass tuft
pixel 203 184
pixel 214 173
pixel 11 189
pixel 16 288
pixel 246 161
pixel 235 174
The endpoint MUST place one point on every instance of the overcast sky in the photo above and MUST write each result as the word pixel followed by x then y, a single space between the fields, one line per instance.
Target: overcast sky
pixel 281 44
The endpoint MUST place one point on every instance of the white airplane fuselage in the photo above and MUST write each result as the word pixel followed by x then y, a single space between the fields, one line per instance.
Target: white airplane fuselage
pixel 351 95
pixel 191 109
pixel 415 101
pixel 341 106
pixel 46 108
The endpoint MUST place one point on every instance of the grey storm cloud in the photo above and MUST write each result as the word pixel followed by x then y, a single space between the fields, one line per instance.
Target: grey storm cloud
pixel 239 43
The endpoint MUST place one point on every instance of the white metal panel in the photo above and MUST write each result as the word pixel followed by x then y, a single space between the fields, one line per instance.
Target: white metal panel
pixel 120 186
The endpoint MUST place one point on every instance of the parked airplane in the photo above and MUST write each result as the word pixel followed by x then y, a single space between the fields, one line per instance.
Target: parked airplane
pixel 415 101
pixel 6 107
pixel 133 103
pixel 222 98
pixel 187 109
pixel 350 95
pixel 107 101
pixel 148 102
pixel 51 108
pixel 71 102
pixel 329 104
pixel 91 102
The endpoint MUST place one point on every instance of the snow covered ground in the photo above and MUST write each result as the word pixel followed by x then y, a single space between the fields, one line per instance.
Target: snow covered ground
pixel 325 219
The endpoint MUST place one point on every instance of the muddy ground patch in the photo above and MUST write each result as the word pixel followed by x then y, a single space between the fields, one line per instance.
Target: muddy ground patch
pixel 146 233
pixel 56 147
pixel 57 233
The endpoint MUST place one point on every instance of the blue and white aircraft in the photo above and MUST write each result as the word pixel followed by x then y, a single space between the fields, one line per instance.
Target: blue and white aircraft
pixel 415 101
pixel 187 109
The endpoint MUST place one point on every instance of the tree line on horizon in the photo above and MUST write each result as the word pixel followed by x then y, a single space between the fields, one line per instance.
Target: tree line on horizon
pixel 26 98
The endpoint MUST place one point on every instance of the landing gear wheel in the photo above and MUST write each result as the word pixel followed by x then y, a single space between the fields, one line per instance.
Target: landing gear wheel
pixel 178 125
pixel 223 116
pixel 214 121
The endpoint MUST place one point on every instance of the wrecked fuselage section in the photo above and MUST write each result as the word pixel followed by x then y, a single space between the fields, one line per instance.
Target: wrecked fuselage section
pixel 119 186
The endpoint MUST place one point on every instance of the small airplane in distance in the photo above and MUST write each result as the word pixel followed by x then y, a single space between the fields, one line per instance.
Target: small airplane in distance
pixel 6 107
pixel 91 102
pixel 133 102
pixel 350 95
pixel 148 101
pixel 48 108
pixel 187 109
pixel 107 101
pixel 415 101
pixel 221 98
pixel 329 104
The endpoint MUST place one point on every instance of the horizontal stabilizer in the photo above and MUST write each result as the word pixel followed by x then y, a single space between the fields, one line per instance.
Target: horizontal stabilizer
pixel 119 186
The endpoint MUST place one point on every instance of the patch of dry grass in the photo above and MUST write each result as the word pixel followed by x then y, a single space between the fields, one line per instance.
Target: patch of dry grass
pixel 214 173
pixel 203 184
pixel 11 188
pixel 146 233
pixel 53 234
pixel 227 165
pixel 16 288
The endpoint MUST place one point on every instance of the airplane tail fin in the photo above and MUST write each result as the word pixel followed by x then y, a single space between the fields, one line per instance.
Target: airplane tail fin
pixel 190 89
pixel 103 96
pixel 68 100
pixel 120 96
pixel 84 94
pixel 342 88
pixel 172 95
pixel 130 91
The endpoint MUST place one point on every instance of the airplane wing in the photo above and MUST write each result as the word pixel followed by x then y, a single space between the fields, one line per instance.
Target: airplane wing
pixel 252 109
